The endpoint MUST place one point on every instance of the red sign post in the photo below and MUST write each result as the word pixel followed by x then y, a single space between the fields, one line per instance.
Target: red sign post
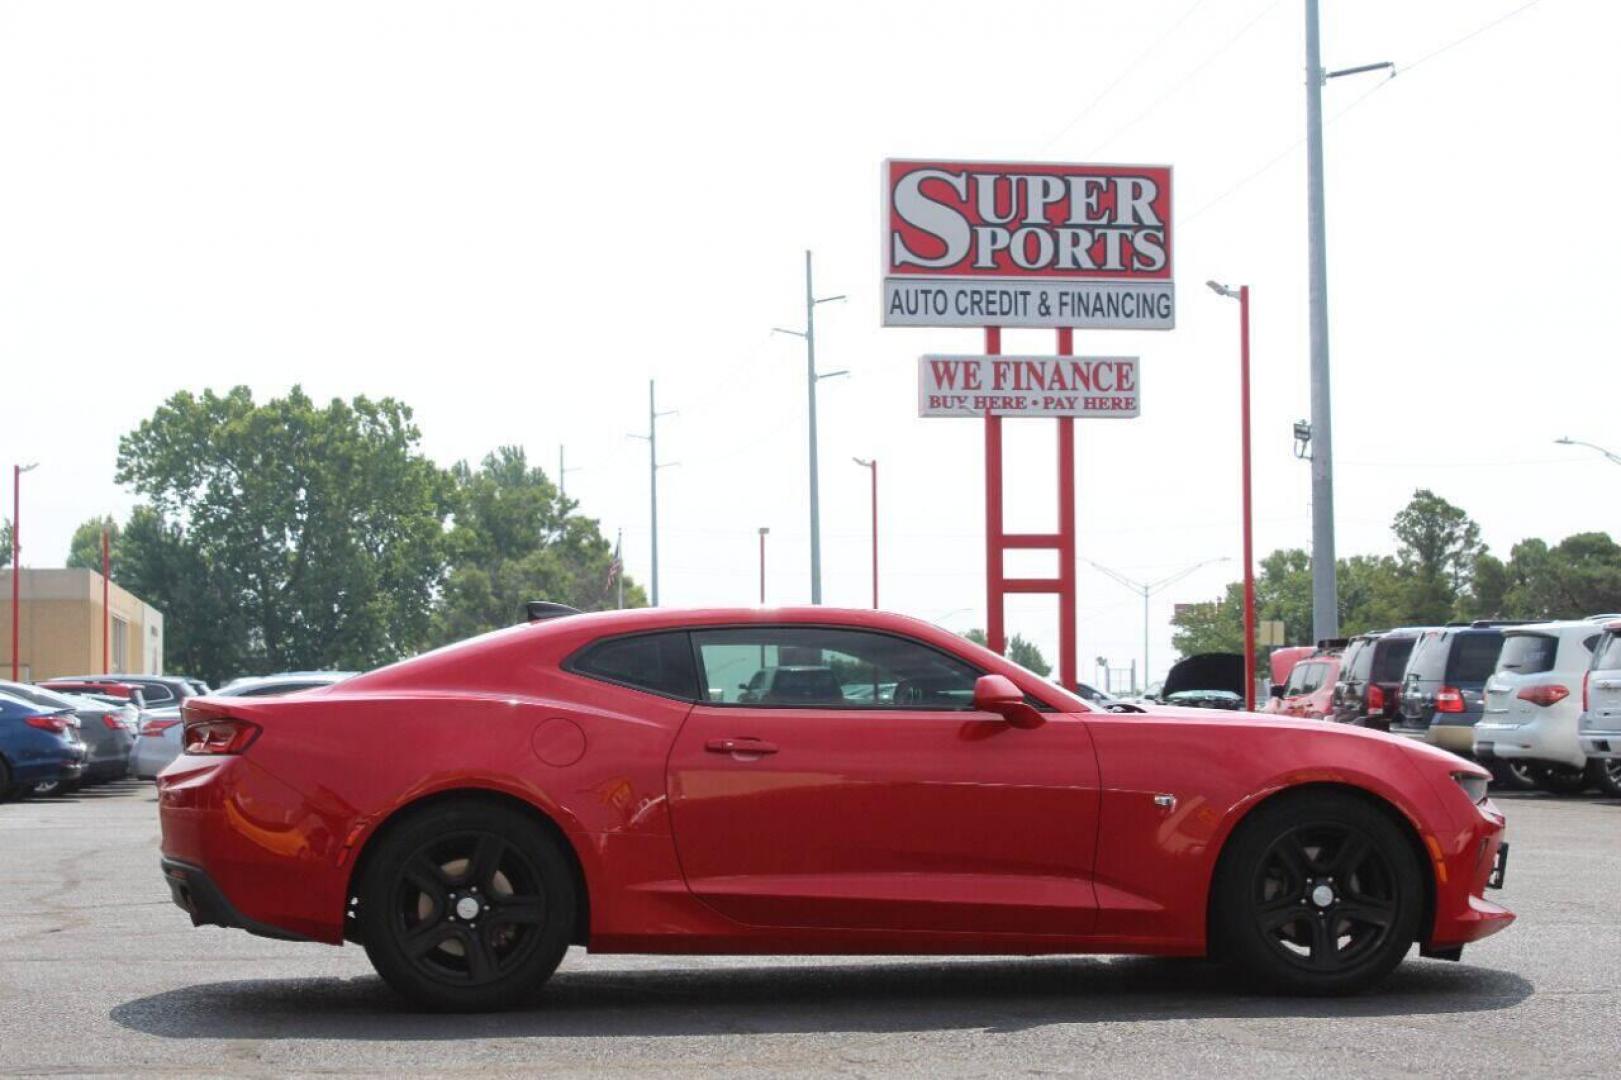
pixel 975 244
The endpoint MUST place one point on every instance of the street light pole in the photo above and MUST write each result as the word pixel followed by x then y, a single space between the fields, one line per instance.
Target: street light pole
pixel 1148 589
pixel 812 377
pixel 1566 440
pixel 1242 295
pixel 1324 586
pixel 873 467
pixel 16 563
pixel 653 467
pixel 764 532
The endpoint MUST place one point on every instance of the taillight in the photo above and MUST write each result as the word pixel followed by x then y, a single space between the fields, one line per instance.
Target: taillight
pixel 1545 695
pixel 1376 698
pixel 113 723
pixel 1449 699
pixel 157 727
pixel 54 724
pixel 225 735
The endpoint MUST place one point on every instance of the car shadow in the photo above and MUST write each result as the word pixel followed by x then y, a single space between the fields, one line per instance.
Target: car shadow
pixel 904 996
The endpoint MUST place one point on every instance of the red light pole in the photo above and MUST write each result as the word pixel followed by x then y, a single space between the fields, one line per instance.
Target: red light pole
pixel 764 532
pixel 106 619
pixel 16 562
pixel 1242 295
pixel 873 467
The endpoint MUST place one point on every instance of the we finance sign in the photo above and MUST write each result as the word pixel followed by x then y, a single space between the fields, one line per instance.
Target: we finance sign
pixel 1076 386
pixel 1033 245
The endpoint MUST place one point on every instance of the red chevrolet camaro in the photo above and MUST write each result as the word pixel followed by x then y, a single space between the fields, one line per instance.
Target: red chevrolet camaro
pixel 806 781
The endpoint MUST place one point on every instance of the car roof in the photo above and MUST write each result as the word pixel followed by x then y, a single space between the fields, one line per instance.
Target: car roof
pixel 1554 626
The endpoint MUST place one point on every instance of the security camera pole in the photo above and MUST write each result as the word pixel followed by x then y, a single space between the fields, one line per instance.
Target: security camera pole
pixel 1325 617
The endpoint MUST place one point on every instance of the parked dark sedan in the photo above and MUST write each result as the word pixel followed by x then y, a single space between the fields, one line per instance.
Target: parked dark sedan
pixel 38 745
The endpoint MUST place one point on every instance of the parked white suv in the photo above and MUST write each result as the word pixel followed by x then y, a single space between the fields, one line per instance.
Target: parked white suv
pixel 1600 730
pixel 1533 705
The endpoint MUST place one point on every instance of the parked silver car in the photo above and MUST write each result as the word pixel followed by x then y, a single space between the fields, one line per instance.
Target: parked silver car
pixel 161 733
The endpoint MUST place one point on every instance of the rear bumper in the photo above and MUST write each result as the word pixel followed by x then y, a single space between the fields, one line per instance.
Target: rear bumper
pixel 1458 738
pixel 251 851
pixel 1546 741
pixel 195 893
pixel 1600 744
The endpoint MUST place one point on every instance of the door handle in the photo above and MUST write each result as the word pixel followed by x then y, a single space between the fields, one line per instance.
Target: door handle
pixel 740 746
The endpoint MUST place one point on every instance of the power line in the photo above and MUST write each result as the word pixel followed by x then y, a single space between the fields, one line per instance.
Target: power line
pixel 1189 77
pixel 1279 157
pixel 1125 72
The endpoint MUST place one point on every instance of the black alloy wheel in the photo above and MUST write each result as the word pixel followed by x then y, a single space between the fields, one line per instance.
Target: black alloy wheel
pixel 1317 893
pixel 1514 775
pixel 467 910
pixel 1605 774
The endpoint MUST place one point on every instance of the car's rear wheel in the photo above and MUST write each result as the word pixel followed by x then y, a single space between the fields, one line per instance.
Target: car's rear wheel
pixel 466 908
pixel 1561 779
pixel 1605 774
pixel 1317 893
pixel 5 781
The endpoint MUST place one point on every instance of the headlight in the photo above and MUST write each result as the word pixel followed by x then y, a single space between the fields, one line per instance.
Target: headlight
pixel 1473 784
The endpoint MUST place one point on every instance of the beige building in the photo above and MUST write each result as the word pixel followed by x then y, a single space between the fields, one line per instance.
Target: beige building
pixel 60 627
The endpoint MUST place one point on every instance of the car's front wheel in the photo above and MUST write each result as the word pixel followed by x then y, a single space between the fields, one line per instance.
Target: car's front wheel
pixel 466 908
pixel 1317 893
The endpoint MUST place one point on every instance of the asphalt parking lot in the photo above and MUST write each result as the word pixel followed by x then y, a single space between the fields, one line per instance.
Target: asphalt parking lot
pixel 101 975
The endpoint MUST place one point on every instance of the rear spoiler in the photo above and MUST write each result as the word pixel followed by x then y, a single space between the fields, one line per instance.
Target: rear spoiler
pixel 541 610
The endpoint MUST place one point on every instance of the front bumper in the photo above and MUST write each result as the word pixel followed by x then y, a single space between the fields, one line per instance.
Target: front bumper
pixel 1458 738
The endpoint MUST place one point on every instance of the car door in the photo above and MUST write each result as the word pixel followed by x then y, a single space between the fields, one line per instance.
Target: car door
pixel 1302 681
pixel 869 794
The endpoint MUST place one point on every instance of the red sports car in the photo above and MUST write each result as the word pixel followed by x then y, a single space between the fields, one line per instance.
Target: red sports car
pixel 806 781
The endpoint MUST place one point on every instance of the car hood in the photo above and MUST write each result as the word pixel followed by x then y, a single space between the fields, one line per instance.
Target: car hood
pixel 1322 729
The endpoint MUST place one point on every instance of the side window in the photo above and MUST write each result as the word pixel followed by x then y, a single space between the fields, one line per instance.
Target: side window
pixel 829 667
pixel 1313 678
pixel 1297 680
pixel 657 663
pixel 157 694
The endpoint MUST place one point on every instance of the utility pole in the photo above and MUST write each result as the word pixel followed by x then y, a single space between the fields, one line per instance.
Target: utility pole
pixel 1325 615
pixel 1324 586
pixel 653 467
pixel 562 472
pixel 765 531
pixel 812 377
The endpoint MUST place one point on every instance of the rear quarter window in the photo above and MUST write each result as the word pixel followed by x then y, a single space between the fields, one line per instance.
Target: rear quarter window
pixel 1474 657
pixel 1607 657
pixel 1527 654
pixel 658 663
pixel 1390 659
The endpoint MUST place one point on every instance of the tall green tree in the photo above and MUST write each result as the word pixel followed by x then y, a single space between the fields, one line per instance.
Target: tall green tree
pixel 1579 576
pixel 5 542
pixel 1019 650
pixel 84 550
pixel 515 539
pixel 317 528
pixel 1437 545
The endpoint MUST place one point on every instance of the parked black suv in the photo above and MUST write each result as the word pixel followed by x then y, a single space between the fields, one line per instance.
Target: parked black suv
pixel 1443 690
pixel 1370 677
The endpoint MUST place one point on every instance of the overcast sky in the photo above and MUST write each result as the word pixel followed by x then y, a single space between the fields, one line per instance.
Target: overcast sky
pixel 512 215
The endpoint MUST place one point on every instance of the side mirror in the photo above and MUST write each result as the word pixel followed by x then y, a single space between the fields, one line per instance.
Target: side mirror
pixel 1277 691
pixel 997 694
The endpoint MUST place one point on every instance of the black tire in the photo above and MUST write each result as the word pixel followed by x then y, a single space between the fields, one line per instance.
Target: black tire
pixel 1513 775
pixel 1316 893
pixel 5 780
pixel 1561 779
pixel 467 907
pixel 1605 774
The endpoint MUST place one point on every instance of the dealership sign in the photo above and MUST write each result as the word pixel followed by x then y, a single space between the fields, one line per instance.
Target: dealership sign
pixel 1028 386
pixel 1039 245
